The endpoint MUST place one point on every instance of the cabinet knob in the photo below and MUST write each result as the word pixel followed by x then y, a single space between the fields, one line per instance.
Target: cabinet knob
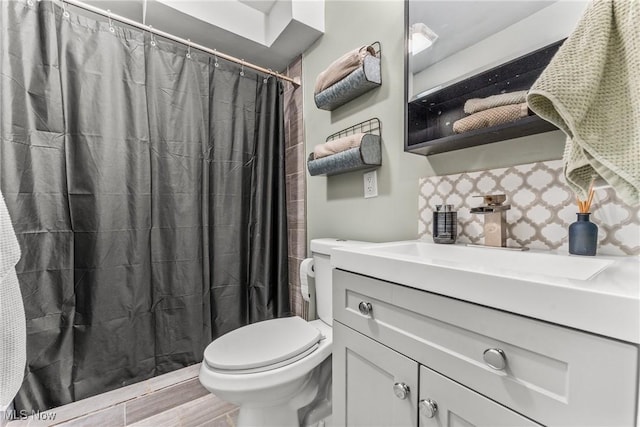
pixel 401 390
pixel 495 358
pixel 365 308
pixel 428 408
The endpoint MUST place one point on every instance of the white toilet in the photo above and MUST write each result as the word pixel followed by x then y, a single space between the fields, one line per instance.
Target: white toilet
pixel 271 369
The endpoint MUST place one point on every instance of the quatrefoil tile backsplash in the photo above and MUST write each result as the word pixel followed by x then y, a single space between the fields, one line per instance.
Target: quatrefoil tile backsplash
pixel 542 207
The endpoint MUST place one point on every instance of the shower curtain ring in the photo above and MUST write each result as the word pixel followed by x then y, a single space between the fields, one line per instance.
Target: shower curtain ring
pixel 189 49
pixel 216 58
pixel 266 78
pixel 65 13
pixel 153 37
pixel 242 68
pixel 113 30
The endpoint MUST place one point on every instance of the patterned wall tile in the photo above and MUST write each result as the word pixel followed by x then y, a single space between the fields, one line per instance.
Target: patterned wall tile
pixel 542 207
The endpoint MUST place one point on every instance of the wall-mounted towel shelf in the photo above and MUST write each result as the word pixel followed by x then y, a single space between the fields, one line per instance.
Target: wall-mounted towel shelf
pixel 362 80
pixel 366 156
pixel 430 117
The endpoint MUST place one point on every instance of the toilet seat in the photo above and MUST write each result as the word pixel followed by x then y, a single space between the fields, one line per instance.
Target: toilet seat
pixel 263 346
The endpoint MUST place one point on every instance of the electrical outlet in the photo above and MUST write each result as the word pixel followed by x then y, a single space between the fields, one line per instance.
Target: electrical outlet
pixel 371 184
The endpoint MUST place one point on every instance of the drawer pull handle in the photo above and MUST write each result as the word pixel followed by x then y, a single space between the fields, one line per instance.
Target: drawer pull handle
pixel 495 358
pixel 365 308
pixel 428 408
pixel 401 390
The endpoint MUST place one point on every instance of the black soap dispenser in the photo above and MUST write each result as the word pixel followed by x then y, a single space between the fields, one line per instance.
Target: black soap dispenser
pixel 445 224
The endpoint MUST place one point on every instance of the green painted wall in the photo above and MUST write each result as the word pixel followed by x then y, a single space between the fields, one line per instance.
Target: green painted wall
pixel 336 206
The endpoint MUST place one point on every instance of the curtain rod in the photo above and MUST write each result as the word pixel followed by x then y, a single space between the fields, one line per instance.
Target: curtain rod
pixel 150 29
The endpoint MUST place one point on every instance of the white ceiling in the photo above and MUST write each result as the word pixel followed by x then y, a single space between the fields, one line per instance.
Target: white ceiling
pixel 460 24
pixel 268 33
pixel 263 6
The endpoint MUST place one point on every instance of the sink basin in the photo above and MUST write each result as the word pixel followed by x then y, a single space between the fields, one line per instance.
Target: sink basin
pixel 489 259
pixel 597 294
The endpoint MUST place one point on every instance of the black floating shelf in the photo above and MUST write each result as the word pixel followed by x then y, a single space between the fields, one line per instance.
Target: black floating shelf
pixel 530 125
pixel 430 117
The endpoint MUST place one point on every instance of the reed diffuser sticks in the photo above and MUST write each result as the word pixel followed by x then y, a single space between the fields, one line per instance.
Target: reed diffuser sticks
pixel 585 205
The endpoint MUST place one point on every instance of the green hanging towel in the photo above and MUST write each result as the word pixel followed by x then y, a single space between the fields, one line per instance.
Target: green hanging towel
pixel 591 91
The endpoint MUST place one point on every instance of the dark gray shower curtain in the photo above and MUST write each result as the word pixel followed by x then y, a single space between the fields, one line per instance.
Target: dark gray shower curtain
pixel 147 192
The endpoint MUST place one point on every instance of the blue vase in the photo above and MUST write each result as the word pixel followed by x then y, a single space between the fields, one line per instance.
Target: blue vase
pixel 583 236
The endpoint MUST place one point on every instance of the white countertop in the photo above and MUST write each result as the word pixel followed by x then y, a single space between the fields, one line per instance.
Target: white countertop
pixel 607 303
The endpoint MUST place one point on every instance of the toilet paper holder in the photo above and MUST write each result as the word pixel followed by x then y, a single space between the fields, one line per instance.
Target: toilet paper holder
pixel 307 285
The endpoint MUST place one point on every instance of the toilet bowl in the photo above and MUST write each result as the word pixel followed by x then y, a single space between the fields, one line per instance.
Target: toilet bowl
pixel 270 369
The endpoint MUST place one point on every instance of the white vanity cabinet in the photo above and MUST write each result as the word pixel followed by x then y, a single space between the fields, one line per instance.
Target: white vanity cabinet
pixel 466 364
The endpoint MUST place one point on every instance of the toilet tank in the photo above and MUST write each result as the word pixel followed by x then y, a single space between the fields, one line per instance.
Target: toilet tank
pixel 321 253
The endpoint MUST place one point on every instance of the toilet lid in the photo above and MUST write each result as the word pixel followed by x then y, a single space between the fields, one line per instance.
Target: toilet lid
pixel 262 344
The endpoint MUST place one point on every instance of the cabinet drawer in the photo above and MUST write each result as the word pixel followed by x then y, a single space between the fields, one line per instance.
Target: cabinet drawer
pixel 552 374
pixel 456 405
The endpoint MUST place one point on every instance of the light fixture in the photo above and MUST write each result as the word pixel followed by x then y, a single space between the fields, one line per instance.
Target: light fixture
pixel 422 37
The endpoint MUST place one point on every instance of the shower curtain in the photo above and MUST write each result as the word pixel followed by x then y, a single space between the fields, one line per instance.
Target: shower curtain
pixel 146 186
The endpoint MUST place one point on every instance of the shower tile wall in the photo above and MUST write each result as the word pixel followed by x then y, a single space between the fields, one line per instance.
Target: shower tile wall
pixel 542 207
pixel 295 170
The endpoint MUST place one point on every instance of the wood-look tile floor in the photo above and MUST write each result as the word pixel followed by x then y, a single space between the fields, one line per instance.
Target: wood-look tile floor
pixel 175 399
